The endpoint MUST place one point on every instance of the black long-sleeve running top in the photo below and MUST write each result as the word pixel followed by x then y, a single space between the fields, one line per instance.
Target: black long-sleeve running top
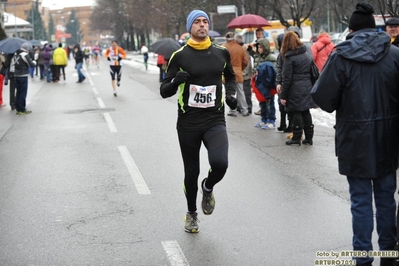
pixel 200 99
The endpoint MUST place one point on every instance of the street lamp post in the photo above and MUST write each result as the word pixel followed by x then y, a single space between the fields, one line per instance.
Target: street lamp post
pixel 33 22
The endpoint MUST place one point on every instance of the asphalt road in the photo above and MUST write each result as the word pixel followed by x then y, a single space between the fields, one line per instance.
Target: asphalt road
pixel 93 179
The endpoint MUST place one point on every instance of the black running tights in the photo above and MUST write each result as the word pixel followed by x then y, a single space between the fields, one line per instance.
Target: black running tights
pixel 216 142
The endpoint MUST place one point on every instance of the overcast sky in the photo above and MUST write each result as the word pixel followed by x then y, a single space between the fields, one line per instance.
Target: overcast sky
pixel 56 4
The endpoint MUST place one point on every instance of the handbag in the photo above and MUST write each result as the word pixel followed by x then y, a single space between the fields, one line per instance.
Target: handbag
pixel 314 72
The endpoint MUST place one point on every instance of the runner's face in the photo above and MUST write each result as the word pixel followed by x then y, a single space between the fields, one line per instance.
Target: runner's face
pixel 200 28
pixel 114 45
pixel 393 30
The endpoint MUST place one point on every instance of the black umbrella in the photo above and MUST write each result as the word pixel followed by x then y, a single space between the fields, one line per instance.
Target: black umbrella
pixel 165 47
pixel 11 44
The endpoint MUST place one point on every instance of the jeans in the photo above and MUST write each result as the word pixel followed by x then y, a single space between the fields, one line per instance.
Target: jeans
pixel 21 86
pixel 361 194
pixel 268 111
pixel 48 73
pixel 41 68
pixel 80 74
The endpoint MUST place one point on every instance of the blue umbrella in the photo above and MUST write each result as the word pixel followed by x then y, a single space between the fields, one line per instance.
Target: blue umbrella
pixel 35 43
pixel 11 44
pixel 213 34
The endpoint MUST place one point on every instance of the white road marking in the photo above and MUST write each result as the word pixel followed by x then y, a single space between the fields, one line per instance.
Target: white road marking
pixel 174 253
pixel 138 180
pixel 110 123
pixel 100 102
pixel 95 90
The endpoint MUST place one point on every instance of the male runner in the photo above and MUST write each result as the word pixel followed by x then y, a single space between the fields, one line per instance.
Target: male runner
pixel 114 55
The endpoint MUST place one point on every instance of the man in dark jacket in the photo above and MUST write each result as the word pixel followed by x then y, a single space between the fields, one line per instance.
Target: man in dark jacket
pixel 360 82
pixel 393 30
pixel 22 63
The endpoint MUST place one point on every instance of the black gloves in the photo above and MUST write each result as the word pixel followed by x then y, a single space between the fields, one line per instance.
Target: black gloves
pixel 181 77
pixel 109 59
pixel 119 58
pixel 231 101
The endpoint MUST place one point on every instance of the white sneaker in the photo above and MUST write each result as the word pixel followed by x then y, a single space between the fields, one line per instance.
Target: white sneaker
pixel 269 125
pixel 260 124
pixel 232 113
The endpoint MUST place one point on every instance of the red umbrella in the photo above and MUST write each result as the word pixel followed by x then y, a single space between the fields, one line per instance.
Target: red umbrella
pixel 248 21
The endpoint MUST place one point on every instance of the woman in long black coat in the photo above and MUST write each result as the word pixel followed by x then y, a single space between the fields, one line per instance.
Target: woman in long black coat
pixel 296 87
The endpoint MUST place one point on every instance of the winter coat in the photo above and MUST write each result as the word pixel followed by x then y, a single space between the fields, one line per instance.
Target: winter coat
pixel 239 59
pixel 22 66
pixel 265 81
pixel 266 56
pixel 60 57
pixel 296 83
pixel 40 59
pixel 396 41
pixel 47 55
pixel 360 81
pixel 79 56
pixel 321 49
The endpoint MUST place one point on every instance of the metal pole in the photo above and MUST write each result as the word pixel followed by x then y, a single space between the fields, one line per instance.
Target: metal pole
pixel 15 18
pixel 33 23
pixel 328 15
pixel 243 7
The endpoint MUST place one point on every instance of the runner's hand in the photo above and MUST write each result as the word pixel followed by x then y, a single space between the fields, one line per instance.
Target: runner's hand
pixel 181 77
pixel 109 59
pixel 119 58
pixel 231 101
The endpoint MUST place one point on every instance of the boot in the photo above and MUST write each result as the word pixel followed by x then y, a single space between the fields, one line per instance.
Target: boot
pixel 288 129
pixel 296 138
pixel 283 125
pixel 308 135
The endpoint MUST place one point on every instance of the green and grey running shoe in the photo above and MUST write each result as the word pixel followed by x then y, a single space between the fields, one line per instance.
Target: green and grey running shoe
pixel 208 200
pixel 191 223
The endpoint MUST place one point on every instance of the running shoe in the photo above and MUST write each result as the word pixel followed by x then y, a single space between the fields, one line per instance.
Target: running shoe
pixel 208 200
pixel 24 112
pixel 115 94
pixel 191 223
pixel 118 83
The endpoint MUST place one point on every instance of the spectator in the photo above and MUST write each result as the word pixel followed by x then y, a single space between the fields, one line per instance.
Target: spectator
pixel 239 61
pixel 161 62
pixel 296 86
pixel 267 108
pixel 79 56
pixel 48 59
pixel 22 63
pixel 361 84
pixel 392 26
pixel 60 61
pixel 321 49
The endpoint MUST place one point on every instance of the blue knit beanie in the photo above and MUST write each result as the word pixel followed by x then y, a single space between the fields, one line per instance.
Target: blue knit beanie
pixel 193 16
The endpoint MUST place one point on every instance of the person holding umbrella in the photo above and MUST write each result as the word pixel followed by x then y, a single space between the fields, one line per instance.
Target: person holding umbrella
pixel 196 70
pixel 22 62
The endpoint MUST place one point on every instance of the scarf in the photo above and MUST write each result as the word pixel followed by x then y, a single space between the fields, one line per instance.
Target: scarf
pixel 200 45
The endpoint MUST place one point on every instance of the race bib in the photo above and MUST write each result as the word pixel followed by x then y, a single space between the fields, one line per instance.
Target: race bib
pixel 202 97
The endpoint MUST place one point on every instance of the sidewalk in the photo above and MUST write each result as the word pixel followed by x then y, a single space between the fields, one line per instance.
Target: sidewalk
pixel 8 116
pixel 137 57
